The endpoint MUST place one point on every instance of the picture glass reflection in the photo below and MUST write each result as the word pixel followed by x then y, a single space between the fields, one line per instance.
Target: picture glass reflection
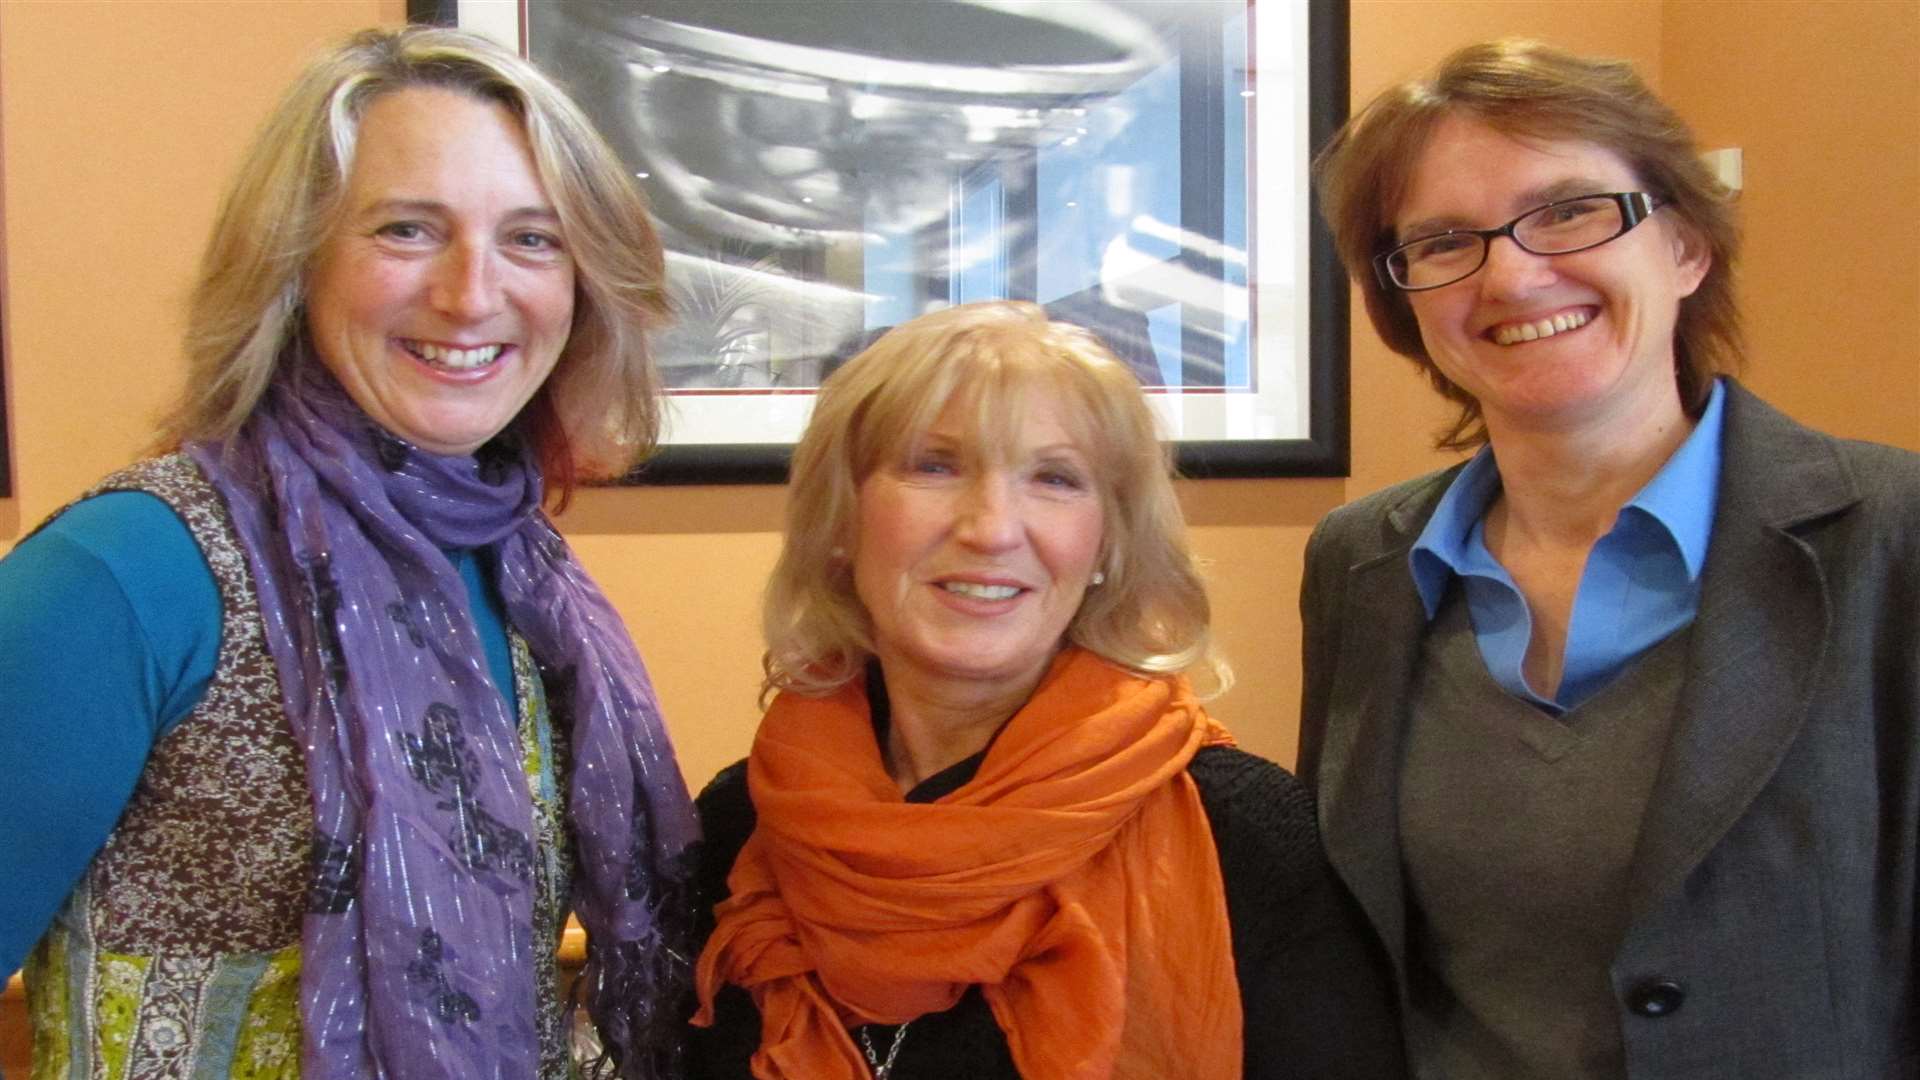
pixel 822 171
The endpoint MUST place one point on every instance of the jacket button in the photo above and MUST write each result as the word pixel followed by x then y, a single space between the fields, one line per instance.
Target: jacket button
pixel 1656 997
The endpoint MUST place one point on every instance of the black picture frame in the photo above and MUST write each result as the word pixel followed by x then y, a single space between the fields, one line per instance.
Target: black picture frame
pixel 1322 449
pixel 6 462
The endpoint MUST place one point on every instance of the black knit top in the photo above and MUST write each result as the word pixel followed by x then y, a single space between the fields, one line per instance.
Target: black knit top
pixel 1314 993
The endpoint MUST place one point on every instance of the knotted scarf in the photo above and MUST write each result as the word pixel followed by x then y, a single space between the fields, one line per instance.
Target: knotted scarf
pixel 1074 878
pixel 417 948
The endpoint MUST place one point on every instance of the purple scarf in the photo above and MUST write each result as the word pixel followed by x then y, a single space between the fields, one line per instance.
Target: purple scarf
pixel 418 944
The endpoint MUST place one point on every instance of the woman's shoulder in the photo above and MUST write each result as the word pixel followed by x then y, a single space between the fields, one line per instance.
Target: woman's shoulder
pixel 1868 492
pixel 124 526
pixel 725 799
pixel 1230 774
pixel 146 521
pixel 1885 478
pixel 727 819
pixel 138 542
pixel 127 559
pixel 1358 524
pixel 1263 819
pixel 1888 476
pixel 1313 983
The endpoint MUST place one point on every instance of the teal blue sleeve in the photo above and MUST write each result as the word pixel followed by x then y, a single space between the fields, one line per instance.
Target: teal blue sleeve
pixel 109 631
pixel 109 636
pixel 490 620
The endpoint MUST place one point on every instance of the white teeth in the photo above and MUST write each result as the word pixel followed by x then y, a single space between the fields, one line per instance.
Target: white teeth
pixel 1514 333
pixel 458 359
pixel 981 592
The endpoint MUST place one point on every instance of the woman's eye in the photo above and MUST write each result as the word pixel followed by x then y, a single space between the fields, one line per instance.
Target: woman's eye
pixel 930 466
pixel 1439 247
pixel 1063 479
pixel 533 240
pixel 404 231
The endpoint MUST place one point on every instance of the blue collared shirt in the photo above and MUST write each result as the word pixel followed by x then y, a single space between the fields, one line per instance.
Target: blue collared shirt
pixel 1641 582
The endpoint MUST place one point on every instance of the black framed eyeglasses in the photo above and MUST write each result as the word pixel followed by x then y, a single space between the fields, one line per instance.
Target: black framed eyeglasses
pixel 1558 228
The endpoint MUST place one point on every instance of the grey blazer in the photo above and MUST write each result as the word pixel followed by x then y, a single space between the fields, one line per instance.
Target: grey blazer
pixel 1772 893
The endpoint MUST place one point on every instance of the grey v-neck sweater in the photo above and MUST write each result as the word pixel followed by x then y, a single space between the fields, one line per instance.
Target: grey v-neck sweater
pixel 1518 830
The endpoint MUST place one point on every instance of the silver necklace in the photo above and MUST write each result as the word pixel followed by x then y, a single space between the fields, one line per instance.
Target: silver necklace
pixel 881 1070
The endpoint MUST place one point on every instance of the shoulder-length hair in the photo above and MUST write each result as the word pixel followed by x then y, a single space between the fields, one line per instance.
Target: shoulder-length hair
pixel 1151 613
pixel 597 414
pixel 1534 93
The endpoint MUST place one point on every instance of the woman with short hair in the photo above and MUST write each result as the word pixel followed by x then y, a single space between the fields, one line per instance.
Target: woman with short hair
pixel 1613 726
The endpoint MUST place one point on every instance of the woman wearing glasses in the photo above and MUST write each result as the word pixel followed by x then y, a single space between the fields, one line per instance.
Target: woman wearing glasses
pixel 1613 727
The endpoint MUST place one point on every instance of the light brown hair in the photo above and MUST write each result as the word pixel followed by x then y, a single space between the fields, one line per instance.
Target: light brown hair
pixel 1536 93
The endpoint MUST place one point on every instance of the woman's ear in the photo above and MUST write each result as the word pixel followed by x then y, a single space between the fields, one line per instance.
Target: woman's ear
pixel 1692 256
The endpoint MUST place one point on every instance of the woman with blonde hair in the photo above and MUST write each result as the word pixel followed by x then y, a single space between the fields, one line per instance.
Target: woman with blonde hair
pixel 359 731
pixel 987 828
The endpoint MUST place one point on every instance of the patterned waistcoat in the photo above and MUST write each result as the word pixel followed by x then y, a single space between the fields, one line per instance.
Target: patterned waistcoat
pixel 178 954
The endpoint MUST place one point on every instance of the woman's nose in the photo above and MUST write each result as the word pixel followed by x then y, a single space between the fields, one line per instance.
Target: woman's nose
pixel 466 283
pixel 1512 270
pixel 988 517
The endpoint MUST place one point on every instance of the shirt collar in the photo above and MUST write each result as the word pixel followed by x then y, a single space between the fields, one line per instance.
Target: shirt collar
pixel 1680 497
pixel 1446 546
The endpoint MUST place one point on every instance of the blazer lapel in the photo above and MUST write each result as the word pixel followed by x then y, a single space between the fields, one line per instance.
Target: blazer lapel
pixel 1384 624
pixel 1757 641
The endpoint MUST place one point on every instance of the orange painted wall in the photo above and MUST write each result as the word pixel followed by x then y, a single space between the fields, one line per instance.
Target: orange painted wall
pixel 119 120
pixel 119 124
pixel 1824 100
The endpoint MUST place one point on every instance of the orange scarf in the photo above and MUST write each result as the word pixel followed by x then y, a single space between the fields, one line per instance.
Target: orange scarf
pixel 1074 878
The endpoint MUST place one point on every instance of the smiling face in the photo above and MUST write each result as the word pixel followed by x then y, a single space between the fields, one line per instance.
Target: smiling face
pixel 442 299
pixel 971 565
pixel 1558 342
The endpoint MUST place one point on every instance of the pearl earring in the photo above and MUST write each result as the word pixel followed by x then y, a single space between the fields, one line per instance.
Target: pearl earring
pixel 1099 578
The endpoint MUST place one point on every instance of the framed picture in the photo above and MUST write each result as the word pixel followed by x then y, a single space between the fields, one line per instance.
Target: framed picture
pixel 823 170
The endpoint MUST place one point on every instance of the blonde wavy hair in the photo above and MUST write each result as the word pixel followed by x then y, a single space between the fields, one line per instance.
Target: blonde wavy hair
pixel 598 413
pixel 1151 614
